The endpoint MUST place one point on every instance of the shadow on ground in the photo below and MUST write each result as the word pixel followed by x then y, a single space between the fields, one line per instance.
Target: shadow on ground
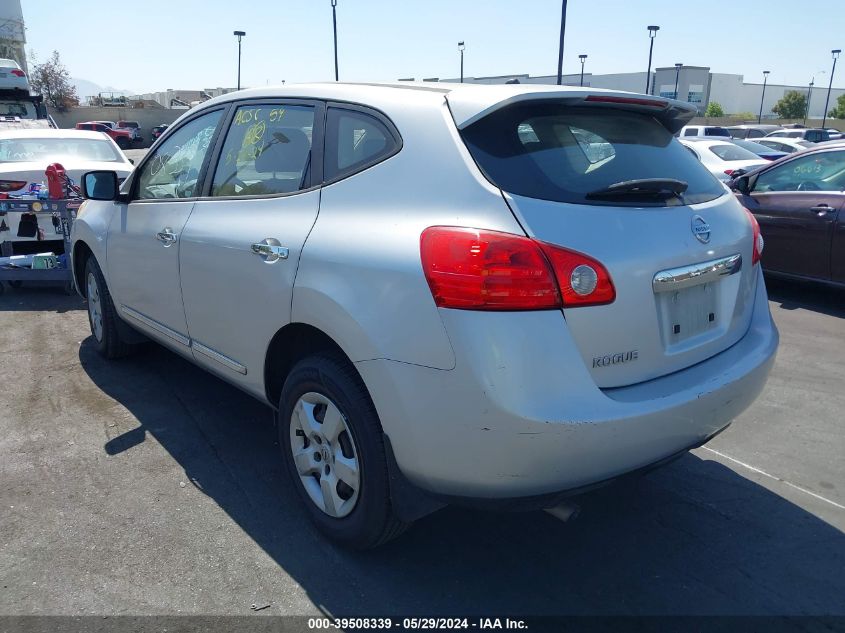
pixel 692 538
pixel 39 296
pixel 795 295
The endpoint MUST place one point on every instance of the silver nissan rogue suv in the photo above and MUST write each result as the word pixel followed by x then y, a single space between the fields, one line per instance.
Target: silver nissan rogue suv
pixel 449 294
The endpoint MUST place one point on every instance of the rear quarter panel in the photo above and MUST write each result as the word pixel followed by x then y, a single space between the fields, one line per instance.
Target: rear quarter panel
pixel 360 279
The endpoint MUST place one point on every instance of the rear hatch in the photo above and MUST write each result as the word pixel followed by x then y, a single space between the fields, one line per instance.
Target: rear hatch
pixel 679 255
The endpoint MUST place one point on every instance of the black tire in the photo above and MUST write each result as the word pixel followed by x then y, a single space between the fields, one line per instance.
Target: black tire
pixel 372 522
pixel 110 345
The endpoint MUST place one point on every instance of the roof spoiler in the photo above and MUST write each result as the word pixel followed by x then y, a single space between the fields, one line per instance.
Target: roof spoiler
pixel 470 105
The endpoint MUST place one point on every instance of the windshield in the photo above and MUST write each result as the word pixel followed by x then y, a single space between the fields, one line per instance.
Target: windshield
pixel 19 150
pixel 562 153
pixel 730 152
pixel 20 109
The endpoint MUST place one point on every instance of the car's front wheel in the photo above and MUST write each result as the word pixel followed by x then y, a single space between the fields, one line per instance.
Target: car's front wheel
pixel 101 314
pixel 332 444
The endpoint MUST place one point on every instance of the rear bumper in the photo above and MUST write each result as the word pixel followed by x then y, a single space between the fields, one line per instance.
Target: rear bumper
pixel 520 416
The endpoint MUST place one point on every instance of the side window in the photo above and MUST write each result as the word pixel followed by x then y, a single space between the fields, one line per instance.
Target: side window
pixel 822 171
pixel 354 140
pixel 755 134
pixel 267 150
pixel 174 169
pixel 692 132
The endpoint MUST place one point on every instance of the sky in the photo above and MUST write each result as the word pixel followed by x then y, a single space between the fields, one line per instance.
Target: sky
pixel 188 44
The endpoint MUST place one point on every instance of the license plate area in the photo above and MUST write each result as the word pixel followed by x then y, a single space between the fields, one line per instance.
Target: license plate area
pixel 689 314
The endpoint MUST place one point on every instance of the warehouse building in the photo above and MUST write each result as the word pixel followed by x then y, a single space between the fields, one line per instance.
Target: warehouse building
pixel 696 84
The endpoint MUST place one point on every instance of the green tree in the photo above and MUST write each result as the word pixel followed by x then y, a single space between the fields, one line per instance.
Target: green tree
pixel 792 105
pixel 838 111
pixel 52 80
pixel 714 109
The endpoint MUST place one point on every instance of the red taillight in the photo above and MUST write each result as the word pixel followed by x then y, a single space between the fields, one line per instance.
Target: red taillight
pixel 18 73
pixel 729 172
pixel 757 248
pixel 583 281
pixel 12 185
pixel 473 269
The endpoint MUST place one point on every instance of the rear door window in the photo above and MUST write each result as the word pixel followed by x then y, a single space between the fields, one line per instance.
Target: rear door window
pixel 354 141
pixel 561 153
pixel 716 131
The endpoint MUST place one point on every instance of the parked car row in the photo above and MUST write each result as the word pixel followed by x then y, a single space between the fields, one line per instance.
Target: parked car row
pixel 752 131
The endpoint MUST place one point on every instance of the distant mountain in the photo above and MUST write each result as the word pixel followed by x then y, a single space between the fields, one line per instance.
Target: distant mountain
pixel 85 88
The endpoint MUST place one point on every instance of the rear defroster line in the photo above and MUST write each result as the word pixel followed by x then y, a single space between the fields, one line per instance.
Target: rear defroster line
pixel 775 477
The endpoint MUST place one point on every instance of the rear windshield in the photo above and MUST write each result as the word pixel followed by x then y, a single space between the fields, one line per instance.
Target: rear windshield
pixel 730 152
pixel 560 153
pixel 21 150
pixel 716 131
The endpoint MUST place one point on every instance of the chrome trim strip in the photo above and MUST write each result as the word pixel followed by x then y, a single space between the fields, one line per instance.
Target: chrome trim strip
pixel 155 325
pixel 686 276
pixel 220 358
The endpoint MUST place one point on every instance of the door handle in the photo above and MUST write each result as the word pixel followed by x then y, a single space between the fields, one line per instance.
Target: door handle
pixel 270 250
pixel 167 237
pixel 822 210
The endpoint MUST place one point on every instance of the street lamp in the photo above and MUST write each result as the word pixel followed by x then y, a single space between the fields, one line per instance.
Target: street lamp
pixel 239 35
pixel 583 58
pixel 652 33
pixel 835 52
pixel 765 79
pixel 810 93
pixel 334 27
pixel 677 74
pixel 560 49
pixel 461 48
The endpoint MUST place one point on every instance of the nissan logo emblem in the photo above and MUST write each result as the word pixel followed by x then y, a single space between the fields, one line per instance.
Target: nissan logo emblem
pixel 700 229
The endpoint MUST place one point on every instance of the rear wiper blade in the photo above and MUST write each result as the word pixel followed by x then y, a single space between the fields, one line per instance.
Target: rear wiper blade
pixel 642 187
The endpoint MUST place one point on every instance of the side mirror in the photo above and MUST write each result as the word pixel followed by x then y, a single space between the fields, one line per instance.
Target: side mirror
pixel 132 161
pixel 100 185
pixel 742 183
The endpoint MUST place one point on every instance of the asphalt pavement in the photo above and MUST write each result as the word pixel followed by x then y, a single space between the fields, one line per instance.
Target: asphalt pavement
pixel 147 486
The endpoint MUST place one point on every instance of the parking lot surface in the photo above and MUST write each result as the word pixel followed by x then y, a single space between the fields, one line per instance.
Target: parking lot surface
pixel 147 486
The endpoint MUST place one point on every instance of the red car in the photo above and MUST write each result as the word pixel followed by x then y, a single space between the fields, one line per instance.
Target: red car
pixel 123 138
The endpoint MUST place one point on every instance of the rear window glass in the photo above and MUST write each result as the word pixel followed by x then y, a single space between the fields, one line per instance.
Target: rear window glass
pixel 560 153
pixel 716 131
pixel 22 149
pixel 732 152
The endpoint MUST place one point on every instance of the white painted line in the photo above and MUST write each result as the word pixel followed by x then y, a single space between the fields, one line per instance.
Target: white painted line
pixel 783 481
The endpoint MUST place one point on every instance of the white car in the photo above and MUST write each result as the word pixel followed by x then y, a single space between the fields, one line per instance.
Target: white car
pixel 12 77
pixel 25 155
pixel 785 144
pixel 721 158
pixel 708 131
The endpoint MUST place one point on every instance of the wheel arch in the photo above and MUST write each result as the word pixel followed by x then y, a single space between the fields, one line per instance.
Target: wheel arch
pixel 289 345
pixel 81 253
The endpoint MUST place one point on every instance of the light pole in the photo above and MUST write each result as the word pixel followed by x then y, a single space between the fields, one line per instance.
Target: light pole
pixel 677 74
pixel 560 49
pixel 239 35
pixel 334 27
pixel 810 93
pixel 763 96
pixel 652 33
pixel 461 48
pixel 583 59
pixel 835 52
